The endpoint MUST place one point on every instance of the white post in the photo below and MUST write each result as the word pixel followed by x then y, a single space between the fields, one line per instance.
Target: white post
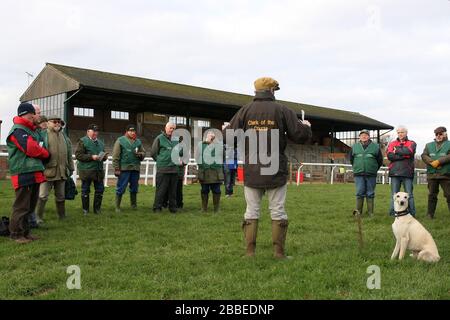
pixel 106 172
pixel 147 163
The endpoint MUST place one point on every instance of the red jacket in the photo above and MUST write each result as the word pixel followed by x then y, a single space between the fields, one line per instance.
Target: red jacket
pixel 401 155
pixel 32 149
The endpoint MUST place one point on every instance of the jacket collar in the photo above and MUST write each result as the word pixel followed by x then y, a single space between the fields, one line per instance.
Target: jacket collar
pixel 24 122
pixel 406 139
pixel 264 95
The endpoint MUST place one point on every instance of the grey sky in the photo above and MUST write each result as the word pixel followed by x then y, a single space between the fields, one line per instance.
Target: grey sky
pixel 388 60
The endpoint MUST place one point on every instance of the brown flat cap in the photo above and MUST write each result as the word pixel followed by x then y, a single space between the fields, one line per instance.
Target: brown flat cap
pixel 266 83
pixel 440 130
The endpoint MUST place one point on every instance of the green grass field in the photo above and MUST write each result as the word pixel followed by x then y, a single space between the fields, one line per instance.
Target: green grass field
pixel 191 255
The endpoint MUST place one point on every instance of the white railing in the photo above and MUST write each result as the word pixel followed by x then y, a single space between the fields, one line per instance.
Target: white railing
pixel 383 172
pixel 149 163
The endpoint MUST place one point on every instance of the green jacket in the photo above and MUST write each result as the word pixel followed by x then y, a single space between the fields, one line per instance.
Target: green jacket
pixel 88 168
pixel 209 172
pixel 161 152
pixel 19 162
pixel 437 151
pixel 366 161
pixel 60 164
pixel 125 157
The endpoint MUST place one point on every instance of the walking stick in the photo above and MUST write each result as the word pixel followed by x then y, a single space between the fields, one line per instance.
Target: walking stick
pixel 357 216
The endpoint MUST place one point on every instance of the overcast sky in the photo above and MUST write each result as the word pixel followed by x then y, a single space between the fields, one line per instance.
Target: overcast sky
pixel 389 60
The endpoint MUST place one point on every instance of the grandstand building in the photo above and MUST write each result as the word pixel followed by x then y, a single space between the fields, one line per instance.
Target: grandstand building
pixel 83 96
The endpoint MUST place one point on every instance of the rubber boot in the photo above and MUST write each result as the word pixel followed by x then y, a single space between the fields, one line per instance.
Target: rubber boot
pixel 216 201
pixel 98 197
pixel 118 201
pixel 61 209
pixel 85 203
pixel 133 201
pixel 40 207
pixel 370 205
pixel 205 202
pixel 250 228
pixel 279 230
pixel 359 205
pixel 431 208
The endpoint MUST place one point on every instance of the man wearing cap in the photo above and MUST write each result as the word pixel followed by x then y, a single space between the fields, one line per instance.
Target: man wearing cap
pixel 261 115
pixel 366 159
pixel 400 153
pixel 58 169
pixel 25 155
pixel 90 154
pixel 128 152
pixel 437 157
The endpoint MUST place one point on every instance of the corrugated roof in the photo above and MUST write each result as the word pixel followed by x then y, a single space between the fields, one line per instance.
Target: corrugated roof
pixel 156 88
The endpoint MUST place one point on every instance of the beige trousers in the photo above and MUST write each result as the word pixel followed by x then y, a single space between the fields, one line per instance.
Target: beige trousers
pixel 277 197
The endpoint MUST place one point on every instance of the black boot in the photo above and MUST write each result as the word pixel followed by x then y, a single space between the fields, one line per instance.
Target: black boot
pixel 216 201
pixel 118 201
pixel 85 203
pixel 431 208
pixel 98 197
pixel 205 197
pixel 133 201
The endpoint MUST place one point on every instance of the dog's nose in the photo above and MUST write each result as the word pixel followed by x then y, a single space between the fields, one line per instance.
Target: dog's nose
pixel 402 203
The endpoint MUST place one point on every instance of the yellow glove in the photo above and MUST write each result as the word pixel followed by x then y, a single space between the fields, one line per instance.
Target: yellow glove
pixel 435 163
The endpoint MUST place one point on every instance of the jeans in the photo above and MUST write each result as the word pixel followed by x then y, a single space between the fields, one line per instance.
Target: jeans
pixel 214 187
pixel 365 186
pixel 408 184
pixel 230 178
pixel 129 176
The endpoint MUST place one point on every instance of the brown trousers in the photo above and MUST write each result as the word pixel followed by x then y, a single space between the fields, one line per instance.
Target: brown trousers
pixel 23 207
pixel 433 191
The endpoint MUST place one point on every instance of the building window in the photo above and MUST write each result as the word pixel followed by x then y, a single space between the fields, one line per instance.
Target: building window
pixel 203 123
pixel 178 120
pixel 83 112
pixel 120 115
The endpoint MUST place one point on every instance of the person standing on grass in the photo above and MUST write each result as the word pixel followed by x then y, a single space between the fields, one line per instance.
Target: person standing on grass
pixel 128 152
pixel 41 126
pixel 58 168
pixel 229 169
pixel 400 153
pixel 265 115
pixel 167 170
pixel 90 154
pixel 366 159
pixel 210 171
pixel 25 155
pixel 437 157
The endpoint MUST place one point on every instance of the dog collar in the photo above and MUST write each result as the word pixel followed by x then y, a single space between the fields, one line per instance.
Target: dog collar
pixel 401 213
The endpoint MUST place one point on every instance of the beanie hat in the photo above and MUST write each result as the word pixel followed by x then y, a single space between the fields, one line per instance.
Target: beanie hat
pixel 24 108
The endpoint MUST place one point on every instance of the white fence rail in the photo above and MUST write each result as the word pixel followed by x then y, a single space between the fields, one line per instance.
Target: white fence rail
pixel 383 173
pixel 149 171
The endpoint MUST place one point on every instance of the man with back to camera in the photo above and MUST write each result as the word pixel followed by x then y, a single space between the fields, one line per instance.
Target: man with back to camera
pixel 264 114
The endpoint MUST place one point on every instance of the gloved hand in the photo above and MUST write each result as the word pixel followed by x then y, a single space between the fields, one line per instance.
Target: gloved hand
pixel 140 155
pixel 117 172
pixel 435 163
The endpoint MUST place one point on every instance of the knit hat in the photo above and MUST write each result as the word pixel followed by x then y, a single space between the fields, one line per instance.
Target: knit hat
pixel 24 108
pixel 266 83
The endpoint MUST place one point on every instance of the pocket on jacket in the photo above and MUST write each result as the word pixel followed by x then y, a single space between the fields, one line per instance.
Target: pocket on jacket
pixel 50 172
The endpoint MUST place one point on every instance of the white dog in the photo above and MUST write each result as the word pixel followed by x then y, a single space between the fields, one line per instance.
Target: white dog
pixel 411 234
